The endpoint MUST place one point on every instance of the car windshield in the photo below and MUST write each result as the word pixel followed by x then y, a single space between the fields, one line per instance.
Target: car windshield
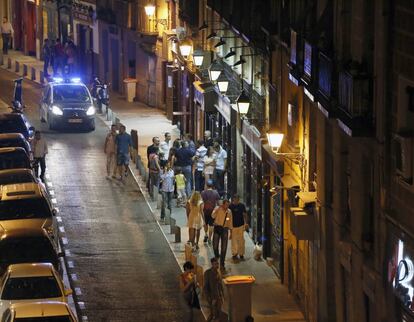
pixel 31 288
pixel 24 209
pixel 12 125
pixel 22 177
pixel 26 250
pixel 45 319
pixel 63 93
pixel 14 160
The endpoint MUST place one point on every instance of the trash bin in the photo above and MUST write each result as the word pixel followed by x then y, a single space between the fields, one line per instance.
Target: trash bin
pixel 239 289
pixel 130 88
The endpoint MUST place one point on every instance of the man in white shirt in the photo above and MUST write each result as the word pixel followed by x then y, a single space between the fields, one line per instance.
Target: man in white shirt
pixel 6 33
pixel 39 150
pixel 165 149
pixel 221 167
pixel 199 165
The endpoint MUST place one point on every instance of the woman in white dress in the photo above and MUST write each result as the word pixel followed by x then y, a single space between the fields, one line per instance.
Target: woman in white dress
pixel 195 218
pixel 209 165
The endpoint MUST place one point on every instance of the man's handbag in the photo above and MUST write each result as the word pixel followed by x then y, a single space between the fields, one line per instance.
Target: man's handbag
pixel 220 229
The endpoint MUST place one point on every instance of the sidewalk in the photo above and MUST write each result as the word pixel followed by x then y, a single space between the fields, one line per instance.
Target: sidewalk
pixel 270 299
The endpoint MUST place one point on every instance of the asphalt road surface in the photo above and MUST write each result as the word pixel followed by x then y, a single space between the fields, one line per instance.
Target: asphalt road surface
pixel 118 261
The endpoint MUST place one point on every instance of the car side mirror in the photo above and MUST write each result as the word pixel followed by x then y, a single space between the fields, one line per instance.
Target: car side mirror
pixel 68 292
pixel 32 128
pixel 61 254
pixel 54 212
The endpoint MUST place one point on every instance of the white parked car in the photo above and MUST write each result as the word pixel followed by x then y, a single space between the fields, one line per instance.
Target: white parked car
pixel 23 283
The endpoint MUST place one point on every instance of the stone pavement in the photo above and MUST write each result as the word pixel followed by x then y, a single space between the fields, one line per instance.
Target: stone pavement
pixel 271 300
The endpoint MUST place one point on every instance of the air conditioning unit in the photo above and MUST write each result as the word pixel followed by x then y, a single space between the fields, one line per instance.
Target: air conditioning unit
pixel 302 224
pixel 403 147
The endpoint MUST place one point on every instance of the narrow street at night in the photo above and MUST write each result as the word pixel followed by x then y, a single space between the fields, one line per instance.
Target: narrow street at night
pixel 120 263
pixel 207 160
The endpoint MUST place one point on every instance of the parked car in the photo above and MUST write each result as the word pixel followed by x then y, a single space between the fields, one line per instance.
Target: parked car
pixel 67 102
pixel 28 282
pixel 44 311
pixel 14 140
pixel 27 245
pixel 14 158
pixel 26 205
pixel 16 123
pixel 21 175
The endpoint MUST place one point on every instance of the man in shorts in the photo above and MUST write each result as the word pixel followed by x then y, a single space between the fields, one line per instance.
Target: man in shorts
pixel 123 145
pixel 210 199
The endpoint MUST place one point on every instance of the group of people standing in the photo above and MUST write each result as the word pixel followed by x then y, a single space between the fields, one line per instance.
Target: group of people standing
pixel 198 162
pixel 60 56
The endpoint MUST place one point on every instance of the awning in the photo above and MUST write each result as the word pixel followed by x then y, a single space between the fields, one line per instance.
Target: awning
pixel 307 197
pixel 205 95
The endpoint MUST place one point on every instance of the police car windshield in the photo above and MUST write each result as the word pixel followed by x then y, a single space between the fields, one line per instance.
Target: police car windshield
pixel 70 92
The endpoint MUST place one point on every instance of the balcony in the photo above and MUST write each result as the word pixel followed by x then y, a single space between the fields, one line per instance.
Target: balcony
pixel 355 116
pixel 325 85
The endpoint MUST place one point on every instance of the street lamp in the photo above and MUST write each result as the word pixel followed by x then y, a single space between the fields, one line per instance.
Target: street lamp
pixel 185 47
pixel 222 83
pixel 214 71
pixel 198 57
pixel 243 103
pixel 275 140
pixel 149 9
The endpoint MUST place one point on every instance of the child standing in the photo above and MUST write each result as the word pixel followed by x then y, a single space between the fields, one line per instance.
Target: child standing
pixel 180 182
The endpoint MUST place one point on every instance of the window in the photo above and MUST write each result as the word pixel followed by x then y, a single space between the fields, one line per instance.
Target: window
pixel 63 93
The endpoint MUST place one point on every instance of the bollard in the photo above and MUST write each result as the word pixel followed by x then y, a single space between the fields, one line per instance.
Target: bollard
pixel 188 251
pixel 32 73
pixel 200 275
pixel 172 223
pixel 177 233
pixel 9 63
pixel 25 70
pixel 17 67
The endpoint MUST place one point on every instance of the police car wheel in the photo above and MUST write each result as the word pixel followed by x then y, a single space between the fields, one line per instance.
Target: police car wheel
pixel 92 126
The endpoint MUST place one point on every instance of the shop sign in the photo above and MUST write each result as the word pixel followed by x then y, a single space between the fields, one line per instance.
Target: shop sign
pixel 251 136
pixel 84 11
pixel 401 273
pixel 224 108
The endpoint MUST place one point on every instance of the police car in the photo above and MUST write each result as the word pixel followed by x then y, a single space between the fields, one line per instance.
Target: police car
pixel 67 102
